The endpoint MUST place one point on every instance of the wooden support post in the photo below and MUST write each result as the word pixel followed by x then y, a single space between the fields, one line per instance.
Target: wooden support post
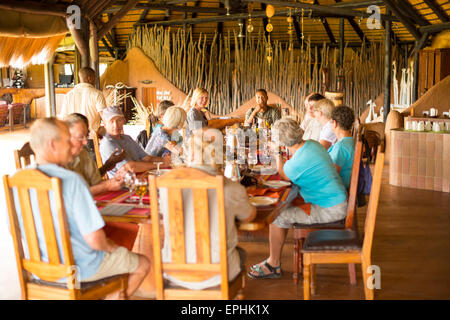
pixel 81 38
pixel 50 105
pixel 93 50
pixel 387 68
pixel 341 42
pixel 416 77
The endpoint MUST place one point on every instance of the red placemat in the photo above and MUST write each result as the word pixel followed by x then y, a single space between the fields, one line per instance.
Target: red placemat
pixel 107 196
pixel 145 199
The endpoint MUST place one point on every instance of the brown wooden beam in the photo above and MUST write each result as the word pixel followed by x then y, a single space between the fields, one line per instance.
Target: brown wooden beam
pixel 408 10
pixel 117 17
pixel 436 8
pixel 34 7
pixel 354 25
pixel 411 28
pixel 165 6
pixel 434 28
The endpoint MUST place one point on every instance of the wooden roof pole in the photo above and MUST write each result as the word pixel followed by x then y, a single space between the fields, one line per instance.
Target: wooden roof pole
pixel 437 10
pixel 411 28
pixel 114 20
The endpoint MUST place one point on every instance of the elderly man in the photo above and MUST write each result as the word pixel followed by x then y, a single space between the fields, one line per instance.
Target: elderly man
pixel 136 160
pixel 311 169
pixel 87 100
pixel 262 110
pixel 83 164
pixel 96 256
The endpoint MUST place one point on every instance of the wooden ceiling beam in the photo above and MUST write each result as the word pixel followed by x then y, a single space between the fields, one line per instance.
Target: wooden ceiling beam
pixel 412 13
pixel 116 18
pixel 411 28
pixel 355 26
pixel 34 7
pixel 326 26
pixel 175 8
pixel 435 28
pixel 358 4
pixel 437 10
pixel 321 9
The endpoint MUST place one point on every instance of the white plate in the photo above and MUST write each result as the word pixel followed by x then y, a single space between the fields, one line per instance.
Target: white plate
pixel 266 170
pixel 262 201
pixel 277 183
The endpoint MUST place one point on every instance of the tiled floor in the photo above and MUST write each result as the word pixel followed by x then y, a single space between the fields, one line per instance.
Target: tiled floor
pixel 411 242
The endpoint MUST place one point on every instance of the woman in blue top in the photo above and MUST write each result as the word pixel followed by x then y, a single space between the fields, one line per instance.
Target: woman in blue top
pixel 163 139
pixel 312 170
pixel 343 150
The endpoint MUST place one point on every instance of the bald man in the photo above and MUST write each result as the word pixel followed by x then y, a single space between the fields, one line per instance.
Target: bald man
pixel 95 255
pixel 87 100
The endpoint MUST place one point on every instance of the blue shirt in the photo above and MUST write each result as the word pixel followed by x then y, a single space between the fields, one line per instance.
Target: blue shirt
pixel 132 149
pixel 82 215
pixel 312 170
pixel 342 153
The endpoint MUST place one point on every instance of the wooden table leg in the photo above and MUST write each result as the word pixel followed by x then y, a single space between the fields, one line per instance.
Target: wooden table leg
pixel 144 246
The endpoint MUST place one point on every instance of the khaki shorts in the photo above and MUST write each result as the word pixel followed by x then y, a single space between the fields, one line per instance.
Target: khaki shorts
pixel 318 215
pixel 119 261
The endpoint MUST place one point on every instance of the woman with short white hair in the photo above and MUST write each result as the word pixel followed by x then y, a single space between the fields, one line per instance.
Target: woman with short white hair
pixel 313 171
pixel 203 151
pixel 163 140
pixel 322 112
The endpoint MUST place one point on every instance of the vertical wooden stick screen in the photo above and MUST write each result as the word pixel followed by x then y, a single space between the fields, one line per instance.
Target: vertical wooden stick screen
pixel 231 68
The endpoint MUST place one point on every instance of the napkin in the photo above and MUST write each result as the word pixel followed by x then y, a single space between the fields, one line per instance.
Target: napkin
pixel 115 209
pixel 266 192
pixel 300 203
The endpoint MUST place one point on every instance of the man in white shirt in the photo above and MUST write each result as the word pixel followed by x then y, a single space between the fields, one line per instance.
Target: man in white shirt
pixel 311 126
pixel 84 98
pixel 322 112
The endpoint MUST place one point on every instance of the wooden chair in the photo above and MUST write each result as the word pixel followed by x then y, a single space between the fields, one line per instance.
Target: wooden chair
pixel 24 156
pixel 344 246
pixel 98 157
pixel 199 182
pixel 61 262
pixel 302 230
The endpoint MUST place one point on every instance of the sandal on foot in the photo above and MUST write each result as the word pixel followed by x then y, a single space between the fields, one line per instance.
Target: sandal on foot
pixel 261 275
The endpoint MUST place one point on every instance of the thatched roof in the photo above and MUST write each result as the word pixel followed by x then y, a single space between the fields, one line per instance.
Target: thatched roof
pixel 321 21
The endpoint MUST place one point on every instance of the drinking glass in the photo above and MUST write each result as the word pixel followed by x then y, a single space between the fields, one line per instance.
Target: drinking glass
pixel 128 180
pixel 140 188
pixel 158 172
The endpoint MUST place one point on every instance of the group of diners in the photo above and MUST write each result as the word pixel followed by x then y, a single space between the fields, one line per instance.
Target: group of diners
pixel 321 146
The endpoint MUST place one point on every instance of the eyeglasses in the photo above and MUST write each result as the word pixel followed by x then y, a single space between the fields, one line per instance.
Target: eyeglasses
pixel 82 139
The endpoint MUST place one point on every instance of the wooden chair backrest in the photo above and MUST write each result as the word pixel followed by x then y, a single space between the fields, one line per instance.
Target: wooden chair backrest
pixel 98 157
pixel 57 267
pixel 353 188
pixel 199 182
pixel 372 207
pixel 23 157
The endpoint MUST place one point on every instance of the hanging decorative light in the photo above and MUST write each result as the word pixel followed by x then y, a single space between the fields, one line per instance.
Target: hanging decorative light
pixel 270 11
pixel 290 32
pixel 250 27
pixel 241 25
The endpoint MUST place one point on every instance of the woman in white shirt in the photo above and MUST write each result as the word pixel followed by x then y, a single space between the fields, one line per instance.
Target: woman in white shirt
pixel 322 112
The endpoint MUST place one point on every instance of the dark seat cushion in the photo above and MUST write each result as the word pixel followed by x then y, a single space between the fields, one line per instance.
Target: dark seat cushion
pixel 83 285
pixel 329 225
pixel 332 240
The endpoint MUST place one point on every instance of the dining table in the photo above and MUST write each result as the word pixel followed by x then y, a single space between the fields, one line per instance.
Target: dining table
pixel 133 229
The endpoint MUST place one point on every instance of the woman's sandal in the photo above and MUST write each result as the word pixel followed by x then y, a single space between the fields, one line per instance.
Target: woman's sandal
pixel 261 275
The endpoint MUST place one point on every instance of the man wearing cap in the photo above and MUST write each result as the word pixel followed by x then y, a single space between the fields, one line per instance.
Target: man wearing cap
pixel 136 160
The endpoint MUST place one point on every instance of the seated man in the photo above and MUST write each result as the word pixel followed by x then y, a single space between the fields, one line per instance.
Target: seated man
pixel 311 126
pixel 237 206
pixel 136 160
pixel 83 164
pixel 312 170
pixel 343 150
pixel 322 112
pixel 164 140
pixel 95 255
pixel 262 110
